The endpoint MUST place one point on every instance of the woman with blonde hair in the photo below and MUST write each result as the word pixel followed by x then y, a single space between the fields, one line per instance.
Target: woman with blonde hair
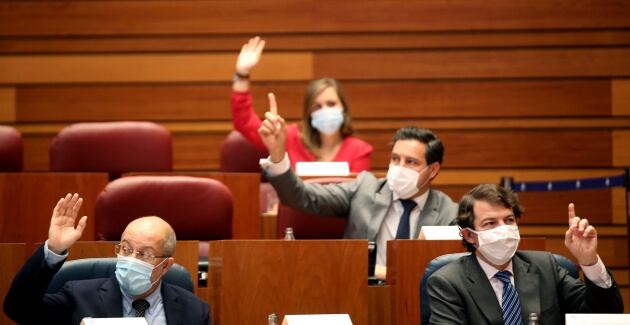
pixel 325 133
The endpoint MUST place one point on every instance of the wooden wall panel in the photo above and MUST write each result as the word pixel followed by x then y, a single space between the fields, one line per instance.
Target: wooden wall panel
pixel 211 101
pixel 272 16
pixel 621 97
pixel 434 64
pixel 621 144
pixel 197 151
pixel 200 149
pixel 97 68
pixel 7 104
pixel 319 41
pixel 337 40
pixel 510 148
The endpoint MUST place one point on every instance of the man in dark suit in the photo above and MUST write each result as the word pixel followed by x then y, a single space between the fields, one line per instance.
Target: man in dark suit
pixel 377 209
pixel 144 256
pixel 499 285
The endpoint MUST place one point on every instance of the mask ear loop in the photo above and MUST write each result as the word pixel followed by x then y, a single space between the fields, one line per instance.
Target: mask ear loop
pixel 160 278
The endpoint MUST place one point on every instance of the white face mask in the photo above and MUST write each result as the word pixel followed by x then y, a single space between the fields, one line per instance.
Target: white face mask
pixel 327 120
pixel 499 244
pixel 404 181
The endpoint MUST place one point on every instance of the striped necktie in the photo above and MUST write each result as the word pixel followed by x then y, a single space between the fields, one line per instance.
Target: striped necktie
pixel 140 306
pixel 511 304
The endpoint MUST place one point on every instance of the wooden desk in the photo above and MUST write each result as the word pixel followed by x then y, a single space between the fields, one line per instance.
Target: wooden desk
pixel 28 199
pixel 406 261
pixel 13 257
pixel 249 280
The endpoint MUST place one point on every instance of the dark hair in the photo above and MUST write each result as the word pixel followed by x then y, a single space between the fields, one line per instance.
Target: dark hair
pixel 491 193
pixel 309 134
pixel 434 147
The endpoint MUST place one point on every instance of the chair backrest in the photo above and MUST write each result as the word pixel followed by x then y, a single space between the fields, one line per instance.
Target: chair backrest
pixel 94 268
pixel 438 262
pixel 197 208
pixel 113 147
pixel 10 149
pixel 308 226
pixel 240 155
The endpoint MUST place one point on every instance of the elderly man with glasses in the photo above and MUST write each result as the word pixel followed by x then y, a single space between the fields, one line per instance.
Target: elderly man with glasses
pixel 144 256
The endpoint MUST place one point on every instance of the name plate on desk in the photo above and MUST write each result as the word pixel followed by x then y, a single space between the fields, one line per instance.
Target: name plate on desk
pixel 597 319
pixel 321 168
pixel 114 321
pixel 317 319
pixel 440 233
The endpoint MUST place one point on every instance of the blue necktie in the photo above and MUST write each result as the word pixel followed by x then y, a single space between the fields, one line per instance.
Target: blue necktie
pixel 403 225
pixel 511 304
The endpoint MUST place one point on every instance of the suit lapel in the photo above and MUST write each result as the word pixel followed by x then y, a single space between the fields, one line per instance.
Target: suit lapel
pixel 173 309
pixel 482 292
pixel 382 202
pixel 428 214
pixel 111 298
pixel 526 280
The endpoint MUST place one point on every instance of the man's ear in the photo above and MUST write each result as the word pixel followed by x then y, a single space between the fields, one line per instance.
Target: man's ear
pixel 469 236
pixel 434 169
pixel 169 262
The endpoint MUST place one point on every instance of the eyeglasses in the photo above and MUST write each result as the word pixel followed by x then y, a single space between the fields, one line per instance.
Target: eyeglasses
pixel 145 256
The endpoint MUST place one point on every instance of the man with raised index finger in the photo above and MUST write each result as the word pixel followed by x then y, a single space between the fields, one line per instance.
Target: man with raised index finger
pixel 497 284
pixel 395 207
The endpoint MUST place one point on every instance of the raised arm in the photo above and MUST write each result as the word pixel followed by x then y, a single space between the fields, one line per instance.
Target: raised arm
pixel 62 233
pixel 244 118
pixel 248 58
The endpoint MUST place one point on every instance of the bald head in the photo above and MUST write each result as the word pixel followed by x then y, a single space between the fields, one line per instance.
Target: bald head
pixel 152 232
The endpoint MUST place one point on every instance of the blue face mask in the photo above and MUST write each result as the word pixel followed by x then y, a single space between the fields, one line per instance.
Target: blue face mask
pixel 134 275
pixel 327 120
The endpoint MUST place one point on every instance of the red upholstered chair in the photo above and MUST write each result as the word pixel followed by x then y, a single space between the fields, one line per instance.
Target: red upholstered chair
pixel 197 208
pixel 240 155
pixel 308 226
pixel 113 147
pixel 10 149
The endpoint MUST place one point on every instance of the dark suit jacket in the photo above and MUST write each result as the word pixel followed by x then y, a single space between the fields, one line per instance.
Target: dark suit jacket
pixel 461 293
pixel 364 202
pixel 28 303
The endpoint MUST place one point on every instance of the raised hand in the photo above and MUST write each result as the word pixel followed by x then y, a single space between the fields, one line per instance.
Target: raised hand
pixel 581 239
pixel 249 55
pixel 62 232
pixel 273 131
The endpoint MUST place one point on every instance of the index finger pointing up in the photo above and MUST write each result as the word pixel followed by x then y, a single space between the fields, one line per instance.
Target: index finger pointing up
pixel 571 212
pixel 273 107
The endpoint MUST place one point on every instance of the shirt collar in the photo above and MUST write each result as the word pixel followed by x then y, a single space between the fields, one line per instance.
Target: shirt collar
pixel 420 200
pixel 153 299
pixel 490 270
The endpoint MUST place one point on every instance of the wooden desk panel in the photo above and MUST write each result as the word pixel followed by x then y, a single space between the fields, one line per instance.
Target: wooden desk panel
pixel 28 199
pixel 406 261
pixel 13 256
pixel 249 280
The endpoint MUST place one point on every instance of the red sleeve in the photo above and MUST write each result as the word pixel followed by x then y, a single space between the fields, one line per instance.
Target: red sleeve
pixel 244 118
